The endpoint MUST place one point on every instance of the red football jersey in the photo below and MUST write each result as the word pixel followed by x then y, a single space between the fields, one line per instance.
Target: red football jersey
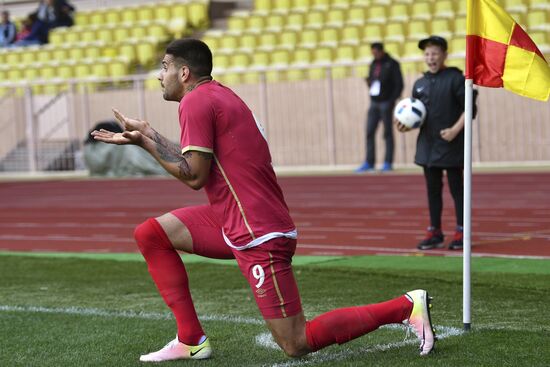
pixel 242 188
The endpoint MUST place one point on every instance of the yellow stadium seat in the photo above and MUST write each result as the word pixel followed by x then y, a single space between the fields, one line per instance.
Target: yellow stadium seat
pixel 280 57
pixel 393 48
pixel 146 53
pixel 31 72
pixel 267 41
pixel 309 38
pixel 128 15
pixel 459 27
pixel 275 22
pixel 29 55
pixel 3 53
pixel 516 6
pixel 163 12
pixel 411 50
pixel 303 5
pixel 539 4
pixel 263 5
pixel 300 57
pixel 282 6
pixel 541 39
pixel 15 73
pixel 48 70
pixel 442 27
pixel 315 19
pixel 122 33
pixel 344 55
pixel 444 9
pixel 458 62
pixel 229 42
pixel 81 18
pixel 76 52
pixel 457 46
pixel 128 50
pixel 97 17
pixel 288 39
pixel 322 5
pixel 100 68
pixel 239 60
pixel 335 17
pixel 57 36
pixel 418 29
pixel 295 21
pixel 213 39
pixel 421 10
pixel 260 58
pixel 377 14
pixel 158 31
pixel 341 4
pixel 356 16
pixel 460 7
pixel 112 16
pixel 372 33
pixel 118 67
pixel 94 50
pixel 105 34
pixel 65 70
pixel 350 35
pixel 145 13
pixel 398 12
pixel 329 36
pixel 88 35
pixel 538 20
pixel 248 42
pixel 221 60
pixel 198 14
pixel 60 53
pixel 256 22
pixel 363 52
pixel 152 82
pixel 237 21
pixel 395 32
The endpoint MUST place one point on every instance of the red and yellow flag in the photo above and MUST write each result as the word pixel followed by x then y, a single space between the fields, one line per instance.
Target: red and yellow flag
pixel 499 53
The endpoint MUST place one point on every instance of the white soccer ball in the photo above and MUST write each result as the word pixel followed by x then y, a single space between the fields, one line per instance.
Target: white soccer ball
pixel 411 112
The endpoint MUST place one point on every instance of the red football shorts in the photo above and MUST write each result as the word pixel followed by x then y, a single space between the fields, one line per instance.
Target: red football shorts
pixel 267 267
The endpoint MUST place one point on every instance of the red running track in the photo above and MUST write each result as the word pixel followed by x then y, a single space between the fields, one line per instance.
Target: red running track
pixel 335 215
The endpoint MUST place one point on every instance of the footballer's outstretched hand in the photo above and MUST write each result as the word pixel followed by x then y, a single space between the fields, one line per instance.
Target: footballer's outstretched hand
pixel 124 138
pixel 130 124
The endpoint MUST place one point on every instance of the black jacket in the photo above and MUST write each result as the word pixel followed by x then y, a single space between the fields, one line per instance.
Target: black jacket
pixel 391 80
pixel 443 95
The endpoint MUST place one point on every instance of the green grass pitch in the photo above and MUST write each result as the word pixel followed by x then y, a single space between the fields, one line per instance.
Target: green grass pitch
pixel 104 310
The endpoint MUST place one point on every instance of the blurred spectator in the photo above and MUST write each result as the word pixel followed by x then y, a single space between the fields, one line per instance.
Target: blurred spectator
pixel 56 13
pixel 34 32
pixel 8 31
pixel 117 160
pixel 385 83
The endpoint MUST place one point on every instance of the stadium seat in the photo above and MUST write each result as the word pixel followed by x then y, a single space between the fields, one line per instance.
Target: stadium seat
pixel 256 22
pixel 395 32
pixel 516 6
pixel 163 12
pixel 398 12
pixel 321 56
pixel 442 27
pixel 460 9
pixel 410 67
pixel 363 52
pixel 237 21
pixel 198 14
pixel 118 67
pixel 229 42
pixel 421 10
pixel 274 22
pixel 356 16
pixel 300 57
pixel 301 5
pixel 329 36
pixel 314 19
pixel 322 5
pixel 282 6
pixel 459 27
pixel 411 50
pixel 97 17
pixel 344 55
pixel 393 48
pixel 127 50
pixel 288 39
pixel 377 14
pixel 76 52
pixel 263 5
pixel 443 9
pixel 417 30
pixel 456 62
pixel 372 33
pixel 538 20
pixel 539 4
pixel 213 39
pixel 239 60
pixel 145 13
pixel 248 42
pixel 146 52
pixel 341 4
pixel 350 35
pixel 457 47
pixel 112 16
pixel 267 41
pixel 336 17
pixel 309 38
pixel 128 15
pixel 295 21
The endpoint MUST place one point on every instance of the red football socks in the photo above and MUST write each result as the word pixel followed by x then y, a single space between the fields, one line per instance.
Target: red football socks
pixel 170 276
pixel 344 324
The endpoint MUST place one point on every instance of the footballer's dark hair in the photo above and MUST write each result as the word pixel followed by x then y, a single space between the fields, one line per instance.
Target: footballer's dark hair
pixel 193 53
pixel 377 46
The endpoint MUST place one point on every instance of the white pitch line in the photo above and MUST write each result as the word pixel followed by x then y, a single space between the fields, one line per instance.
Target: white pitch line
pixel 125 314
pixel 266 341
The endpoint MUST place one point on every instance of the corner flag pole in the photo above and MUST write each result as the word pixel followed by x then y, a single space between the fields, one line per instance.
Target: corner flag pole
pixel 467 251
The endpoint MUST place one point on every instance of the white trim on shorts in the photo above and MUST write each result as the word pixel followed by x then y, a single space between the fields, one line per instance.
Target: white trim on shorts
pixel 259 240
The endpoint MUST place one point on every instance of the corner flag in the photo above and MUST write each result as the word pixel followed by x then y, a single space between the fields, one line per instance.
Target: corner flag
pixel 499 53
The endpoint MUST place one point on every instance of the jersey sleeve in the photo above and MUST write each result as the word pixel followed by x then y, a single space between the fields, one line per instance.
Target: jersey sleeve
pixel 197 126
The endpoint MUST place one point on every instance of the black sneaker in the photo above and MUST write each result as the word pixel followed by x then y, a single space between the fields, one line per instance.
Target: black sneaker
pixel 434 239
pixel 458 240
